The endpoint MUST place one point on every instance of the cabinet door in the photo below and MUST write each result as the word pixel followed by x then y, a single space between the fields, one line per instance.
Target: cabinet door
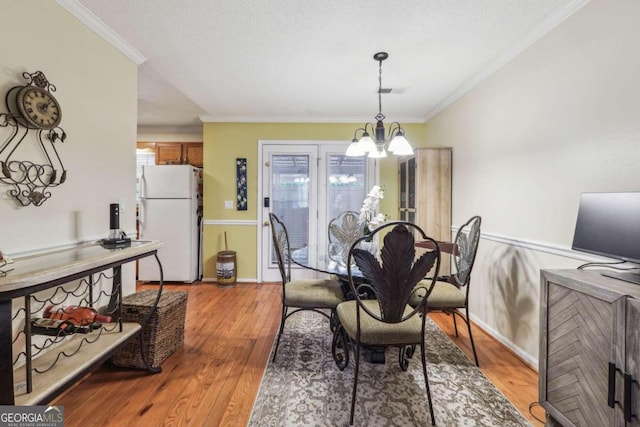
pixel 433 192
pixel 192 153
pixel 578 336
pixel 407 189
pixel 168 153
pixel 632 351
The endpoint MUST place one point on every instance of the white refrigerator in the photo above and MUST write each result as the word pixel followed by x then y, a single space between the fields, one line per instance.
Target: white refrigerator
pixel 170 211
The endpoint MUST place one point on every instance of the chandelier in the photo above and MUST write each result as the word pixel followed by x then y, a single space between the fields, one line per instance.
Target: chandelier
pixel 372 139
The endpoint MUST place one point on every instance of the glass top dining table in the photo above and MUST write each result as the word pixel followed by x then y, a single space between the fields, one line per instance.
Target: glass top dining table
pixel 323 264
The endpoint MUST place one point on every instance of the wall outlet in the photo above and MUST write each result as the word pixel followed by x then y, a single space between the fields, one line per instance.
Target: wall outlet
pixel 228 204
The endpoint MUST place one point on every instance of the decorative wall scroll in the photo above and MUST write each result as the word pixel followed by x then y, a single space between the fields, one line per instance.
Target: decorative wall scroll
pixel 32 108
pixel 241 184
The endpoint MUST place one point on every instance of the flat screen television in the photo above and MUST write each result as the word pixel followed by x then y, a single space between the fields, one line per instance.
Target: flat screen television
pixel 608 224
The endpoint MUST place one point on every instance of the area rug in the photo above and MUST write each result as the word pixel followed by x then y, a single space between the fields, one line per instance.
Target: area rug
pixel 303 387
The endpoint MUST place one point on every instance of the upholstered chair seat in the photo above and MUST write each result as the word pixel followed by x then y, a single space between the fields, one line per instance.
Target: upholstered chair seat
pixel 443 295
pixel 313 293
pixel 374 331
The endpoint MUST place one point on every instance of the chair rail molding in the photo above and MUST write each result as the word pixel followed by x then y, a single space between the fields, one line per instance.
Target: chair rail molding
pixel 253 222
pixel 551 248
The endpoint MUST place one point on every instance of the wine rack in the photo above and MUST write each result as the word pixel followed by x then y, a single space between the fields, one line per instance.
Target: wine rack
pixel 35 368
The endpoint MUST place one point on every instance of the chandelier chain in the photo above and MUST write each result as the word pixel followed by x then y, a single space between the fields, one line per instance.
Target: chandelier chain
pixel 380 87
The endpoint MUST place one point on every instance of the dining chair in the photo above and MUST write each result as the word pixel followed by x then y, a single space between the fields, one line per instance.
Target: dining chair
pixel 451 293
pixel 303 294
pixel 386 319
pixel 343 231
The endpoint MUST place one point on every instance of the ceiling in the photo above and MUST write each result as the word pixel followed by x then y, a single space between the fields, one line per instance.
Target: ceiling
pixel 312 61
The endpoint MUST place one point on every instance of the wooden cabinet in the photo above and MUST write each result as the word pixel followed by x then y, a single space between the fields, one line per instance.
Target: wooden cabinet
pixel 425 193
pixel 177 153
pixel 589 349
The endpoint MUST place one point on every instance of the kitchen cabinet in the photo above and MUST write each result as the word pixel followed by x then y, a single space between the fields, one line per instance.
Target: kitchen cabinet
pixel 589 349
pixel 177 153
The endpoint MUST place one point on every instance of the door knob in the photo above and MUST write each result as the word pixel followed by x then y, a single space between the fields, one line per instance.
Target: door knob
pixel 266 223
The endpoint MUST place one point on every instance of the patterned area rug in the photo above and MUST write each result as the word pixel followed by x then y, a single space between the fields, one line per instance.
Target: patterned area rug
pixel 305 388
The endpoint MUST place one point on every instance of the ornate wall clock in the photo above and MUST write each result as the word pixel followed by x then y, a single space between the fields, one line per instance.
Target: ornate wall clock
pixel 32 108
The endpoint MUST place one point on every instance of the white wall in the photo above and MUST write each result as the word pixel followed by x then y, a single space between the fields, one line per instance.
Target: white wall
pixel 561 118
pixel 97 90
pixel 96 87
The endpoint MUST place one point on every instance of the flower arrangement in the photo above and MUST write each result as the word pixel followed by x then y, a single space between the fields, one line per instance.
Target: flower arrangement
pixel 368 216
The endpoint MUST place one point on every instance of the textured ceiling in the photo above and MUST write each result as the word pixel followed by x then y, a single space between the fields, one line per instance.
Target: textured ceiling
pixel 302 60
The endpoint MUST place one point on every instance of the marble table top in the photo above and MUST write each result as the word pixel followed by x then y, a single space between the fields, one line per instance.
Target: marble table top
pixel 32 270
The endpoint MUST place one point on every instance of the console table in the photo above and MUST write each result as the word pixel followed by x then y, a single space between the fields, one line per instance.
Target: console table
pixel 589 349
pixel 50 368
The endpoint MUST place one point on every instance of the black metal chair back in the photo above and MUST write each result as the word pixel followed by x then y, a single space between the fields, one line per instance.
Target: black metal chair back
pixel 467 239
pixel 343 231
pixel 281 247
pixel 393 281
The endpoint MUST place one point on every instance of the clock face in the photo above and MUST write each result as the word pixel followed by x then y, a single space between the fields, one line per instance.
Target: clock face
pixel 38 107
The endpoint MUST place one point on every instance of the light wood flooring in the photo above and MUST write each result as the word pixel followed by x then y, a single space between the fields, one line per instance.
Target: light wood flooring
pixel 213 379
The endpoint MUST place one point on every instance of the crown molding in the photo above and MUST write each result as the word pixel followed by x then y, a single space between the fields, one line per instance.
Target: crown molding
pixel 103 30
pixel 297 119
pixel 196 131
pixel 555 19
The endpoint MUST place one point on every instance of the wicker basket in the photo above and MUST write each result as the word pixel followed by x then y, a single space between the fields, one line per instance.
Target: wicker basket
pixel 164 333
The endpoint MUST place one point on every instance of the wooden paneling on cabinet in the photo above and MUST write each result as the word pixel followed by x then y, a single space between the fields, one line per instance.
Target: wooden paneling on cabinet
pixel 176 153
pixel 179 153
pixel 425 193
pixel 589 349
pixel 192 153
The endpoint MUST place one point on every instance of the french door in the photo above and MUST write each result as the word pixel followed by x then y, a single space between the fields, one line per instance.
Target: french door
pixel 306 184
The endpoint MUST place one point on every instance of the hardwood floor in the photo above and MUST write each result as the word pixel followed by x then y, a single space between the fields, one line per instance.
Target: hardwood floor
pixel 214 378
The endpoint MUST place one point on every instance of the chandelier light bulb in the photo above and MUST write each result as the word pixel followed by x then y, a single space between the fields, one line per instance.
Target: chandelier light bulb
pixel 400 146
pixel 354 149
pixel 366 143
pixel 378 153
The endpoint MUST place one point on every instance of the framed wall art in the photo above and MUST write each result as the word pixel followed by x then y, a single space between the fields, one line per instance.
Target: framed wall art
pixel 241 184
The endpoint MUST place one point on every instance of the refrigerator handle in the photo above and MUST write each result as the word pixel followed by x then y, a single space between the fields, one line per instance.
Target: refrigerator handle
pixel 143 195
pixel 143 188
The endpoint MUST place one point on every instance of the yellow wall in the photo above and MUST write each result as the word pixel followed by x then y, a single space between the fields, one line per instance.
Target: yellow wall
pixel 224 142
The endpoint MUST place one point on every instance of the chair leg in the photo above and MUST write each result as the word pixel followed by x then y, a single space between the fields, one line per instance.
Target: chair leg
pixel 333 320
pixel 355 383
pixel 473 346
pixel 340 347
pixel 282 320
pixel 426 381
pixel 455 324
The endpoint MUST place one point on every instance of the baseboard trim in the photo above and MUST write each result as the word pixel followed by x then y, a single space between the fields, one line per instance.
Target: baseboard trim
pixel 215 279
pixel 526 358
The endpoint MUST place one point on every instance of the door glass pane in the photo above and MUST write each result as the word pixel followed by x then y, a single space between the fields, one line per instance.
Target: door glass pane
pixel 412 183
pixel 403 185
pixel 347 177
pixel 290 199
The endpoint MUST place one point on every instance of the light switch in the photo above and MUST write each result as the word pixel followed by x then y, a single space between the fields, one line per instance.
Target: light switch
pixel 228 204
